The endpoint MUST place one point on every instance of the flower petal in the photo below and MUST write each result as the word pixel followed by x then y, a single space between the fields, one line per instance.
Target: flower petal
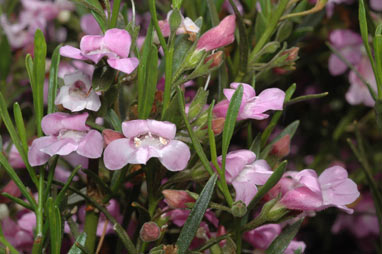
pixel 118 41
pixel 72 52
pixel 126 65
pixel 35 156
pixel 91 145
pixel 117 154
pixel 175 155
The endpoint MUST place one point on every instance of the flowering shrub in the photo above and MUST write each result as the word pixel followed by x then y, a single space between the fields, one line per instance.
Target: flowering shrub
pixel 191 126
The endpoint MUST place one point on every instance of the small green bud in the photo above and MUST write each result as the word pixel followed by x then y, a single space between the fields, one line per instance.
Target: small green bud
pixel 239 209
pixel 176 4
pixel 276 212
pixel 175 20
pixel 197 104
pixel 192 59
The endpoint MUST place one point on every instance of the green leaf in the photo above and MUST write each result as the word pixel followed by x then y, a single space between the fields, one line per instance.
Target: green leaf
pixel 362 17
pixel 81 239
pixel 193 221
pixel 103 78
pixel 272 181
pixel 20 126
pixel 115 13
pixel 378 58
pixel 39 77
pixel 114 120
pixel 282 241
pixel 6 57
pixel 53 80
pixel 289 130
pixel 55 226
pixel 230 122
pixel 15 138
pixel 195 142
pixel 284 31
pixel 12 174
pixel 197 104
pixel 149 89
pixel 213 12
pixel 142 67
pixel 61 194
pixel 96 10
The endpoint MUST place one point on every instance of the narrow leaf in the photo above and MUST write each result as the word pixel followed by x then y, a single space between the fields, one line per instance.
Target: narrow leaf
pixel 282 241
pixel 193 221
pixel 6 57
pixel 39 77
pixel 149 89
pixel 15 138
pixel 230 121
pixel 54 218
pixel 115 13
pixel 20 126
pixel 53 80
pixel 81 239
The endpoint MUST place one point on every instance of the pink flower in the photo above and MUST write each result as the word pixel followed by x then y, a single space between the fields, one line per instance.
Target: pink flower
pixel 21 239
pixel 349 44
pixel 261 237
pixel 252 106
pixel 14 157
pixel 89 25
pixel 244 172
pixel 218 36
pixel 376 5
pixel 146 139
pixel 77 93
pixel 337 189
pixel 66 134
pixel 115 45
pixel 12 189
pixel 305 191
pixel 358 92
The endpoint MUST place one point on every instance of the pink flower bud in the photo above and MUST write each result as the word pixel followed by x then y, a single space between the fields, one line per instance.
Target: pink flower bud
pixel 217 58
pixel 282 147
pixel 177 198
pixel 110 135
pixel 150 232
pixel 218 125
pixel 218 36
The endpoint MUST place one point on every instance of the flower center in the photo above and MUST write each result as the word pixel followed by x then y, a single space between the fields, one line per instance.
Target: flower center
pixel 75 135
pixel 79 89
pixel 150 140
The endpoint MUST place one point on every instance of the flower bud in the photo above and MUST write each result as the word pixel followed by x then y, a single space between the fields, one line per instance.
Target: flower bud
pixel 110 135
pixel 218 125
pixel 149 232
pixel 276 212
pixel 216 58
pixel 239 209
pixel 282 147
pixel 177 198
pixel 192 59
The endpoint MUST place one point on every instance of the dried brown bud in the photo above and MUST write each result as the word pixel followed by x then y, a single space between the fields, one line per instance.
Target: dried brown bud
pixel 110 135
pixel 282 147
pixel 177 198
pixel 150 232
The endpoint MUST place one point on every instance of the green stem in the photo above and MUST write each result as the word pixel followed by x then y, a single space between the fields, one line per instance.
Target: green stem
pixel 37 245
pixel 122 234
pixel 168 78
pixel 91 223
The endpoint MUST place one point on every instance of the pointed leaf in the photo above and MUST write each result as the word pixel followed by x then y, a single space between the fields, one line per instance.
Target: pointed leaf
pixel 282 241
pixel 81 239
pixel 53 80
pixel 6 58
pixel 193 221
